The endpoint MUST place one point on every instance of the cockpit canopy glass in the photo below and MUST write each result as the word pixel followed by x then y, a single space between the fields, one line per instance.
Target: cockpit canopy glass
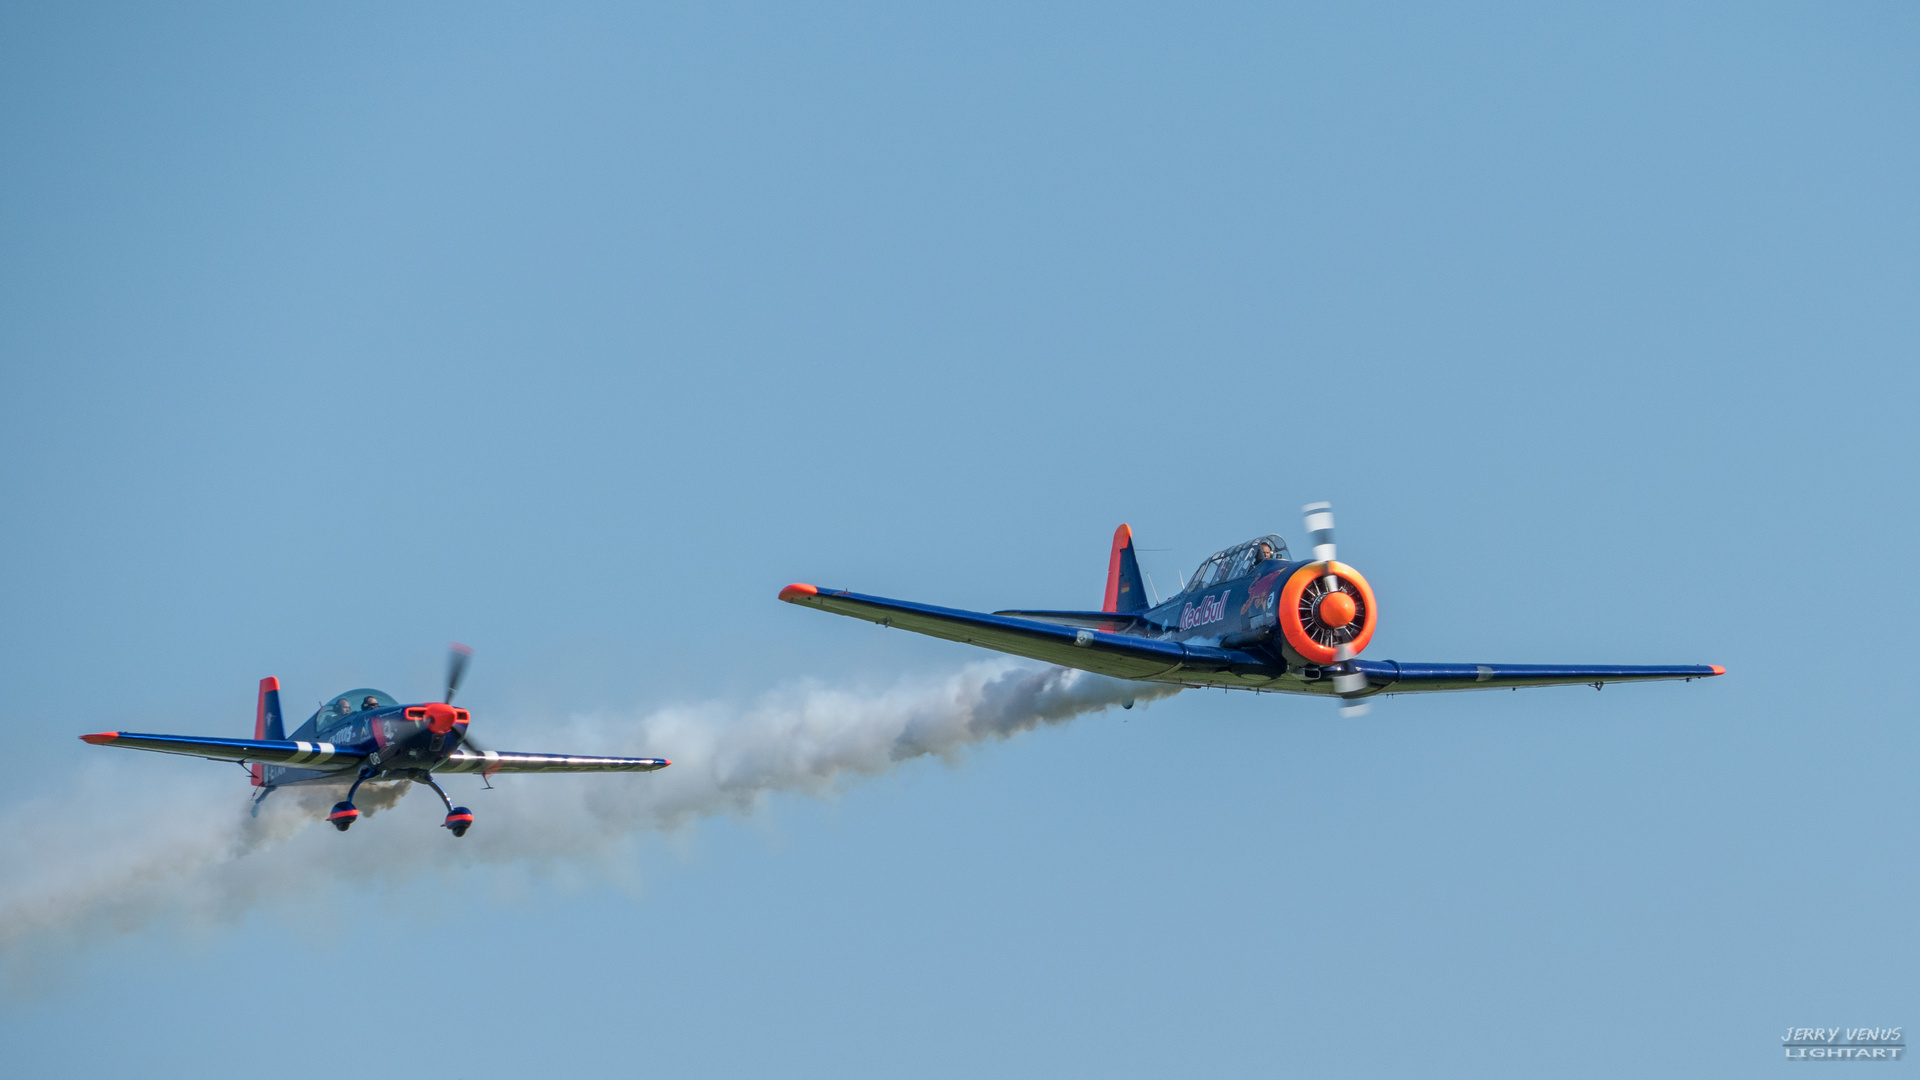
pixel 341 707
pixel 1238 561
pixel 343 718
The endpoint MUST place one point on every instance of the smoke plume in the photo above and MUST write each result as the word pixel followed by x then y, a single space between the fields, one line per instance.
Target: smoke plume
pixel 101 859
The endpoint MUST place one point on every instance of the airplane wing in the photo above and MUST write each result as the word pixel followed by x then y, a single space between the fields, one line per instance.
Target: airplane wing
pixel 1092 620
pixel 502 761
pixel 1053 637
pixel 1392 677
pixel 318 756
pixel 1120 655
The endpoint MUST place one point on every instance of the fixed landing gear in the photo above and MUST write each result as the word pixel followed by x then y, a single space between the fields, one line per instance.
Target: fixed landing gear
pixel 344 813
pixel 459 818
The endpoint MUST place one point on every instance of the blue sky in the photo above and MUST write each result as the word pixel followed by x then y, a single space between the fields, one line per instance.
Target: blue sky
pixel 329 334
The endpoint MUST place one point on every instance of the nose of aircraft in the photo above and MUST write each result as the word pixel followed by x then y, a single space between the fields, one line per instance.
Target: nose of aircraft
pixel 441 717
pixel 1337 610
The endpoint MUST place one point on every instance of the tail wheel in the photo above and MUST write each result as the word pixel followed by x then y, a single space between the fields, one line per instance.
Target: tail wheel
pixel 1327 612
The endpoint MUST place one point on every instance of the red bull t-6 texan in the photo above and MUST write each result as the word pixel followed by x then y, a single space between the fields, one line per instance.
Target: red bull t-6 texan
pixel 367 735
pixel 1253 617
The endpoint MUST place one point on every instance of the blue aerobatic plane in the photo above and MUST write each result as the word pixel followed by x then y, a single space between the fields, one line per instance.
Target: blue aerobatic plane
pixel 1251 618
pixel 366 735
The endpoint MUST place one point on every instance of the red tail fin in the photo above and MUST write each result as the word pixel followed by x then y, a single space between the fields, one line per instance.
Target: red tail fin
pixel 1125 591
pixel 266 721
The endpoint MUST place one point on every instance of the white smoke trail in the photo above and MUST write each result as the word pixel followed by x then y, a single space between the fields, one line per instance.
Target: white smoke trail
pixel 101 860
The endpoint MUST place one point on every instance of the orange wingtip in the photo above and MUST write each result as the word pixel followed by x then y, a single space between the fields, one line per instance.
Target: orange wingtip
pixel 1717 669
pixel 798 592
pixel 101 738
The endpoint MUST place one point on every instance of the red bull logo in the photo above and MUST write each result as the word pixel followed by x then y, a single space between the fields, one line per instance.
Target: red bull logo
pixel 1212 609
pixel 1260 594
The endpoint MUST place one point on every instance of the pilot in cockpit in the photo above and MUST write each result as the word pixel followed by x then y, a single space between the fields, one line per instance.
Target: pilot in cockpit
pixel 1263 552
pixel 342 707
pixel 371 702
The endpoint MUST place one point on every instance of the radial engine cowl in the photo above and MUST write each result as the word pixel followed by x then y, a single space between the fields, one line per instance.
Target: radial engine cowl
pixel 1325 625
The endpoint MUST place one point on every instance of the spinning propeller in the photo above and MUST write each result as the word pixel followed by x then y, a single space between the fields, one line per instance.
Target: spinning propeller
pixel 457 657
pixel 1330 606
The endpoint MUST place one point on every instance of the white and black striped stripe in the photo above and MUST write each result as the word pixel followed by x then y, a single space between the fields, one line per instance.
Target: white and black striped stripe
pixel 494 761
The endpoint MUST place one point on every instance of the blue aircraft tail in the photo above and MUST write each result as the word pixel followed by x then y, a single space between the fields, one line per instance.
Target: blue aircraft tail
pixel 267 723
pixel 1126 593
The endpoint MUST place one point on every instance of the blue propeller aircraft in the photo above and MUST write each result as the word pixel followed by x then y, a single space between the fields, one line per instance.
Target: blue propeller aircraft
pixel 366 734
pixel 1251 618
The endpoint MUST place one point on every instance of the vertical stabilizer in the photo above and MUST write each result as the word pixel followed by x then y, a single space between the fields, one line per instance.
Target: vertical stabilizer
pixel 266 720
pixel 1125 591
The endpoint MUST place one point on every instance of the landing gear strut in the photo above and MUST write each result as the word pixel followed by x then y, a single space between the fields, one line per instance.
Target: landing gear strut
pixel 459 818
pixel 344 812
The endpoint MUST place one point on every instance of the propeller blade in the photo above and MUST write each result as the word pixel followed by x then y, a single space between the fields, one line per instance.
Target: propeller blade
pixel 457 657
pixel 1351 683
pixel 1320 528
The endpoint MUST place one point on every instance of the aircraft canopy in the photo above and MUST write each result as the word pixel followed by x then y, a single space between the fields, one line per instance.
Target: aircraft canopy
pixel 1236 561
pixel 343 705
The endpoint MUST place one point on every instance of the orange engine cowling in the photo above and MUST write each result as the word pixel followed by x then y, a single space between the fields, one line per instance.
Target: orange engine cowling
pixel 1317 621
pixel 440 717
